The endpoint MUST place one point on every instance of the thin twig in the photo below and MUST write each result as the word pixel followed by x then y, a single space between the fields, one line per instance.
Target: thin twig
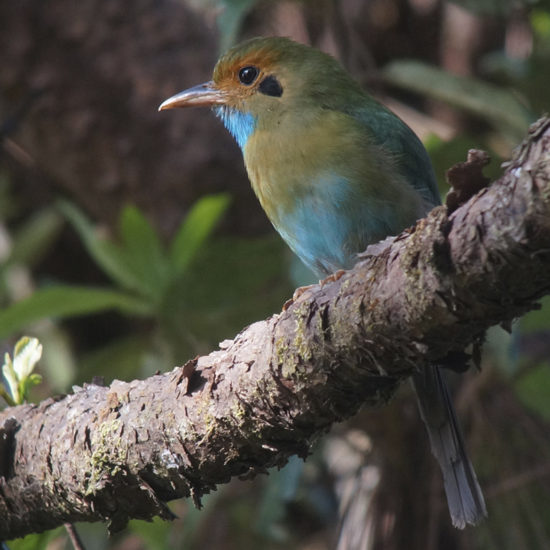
pixel 74 536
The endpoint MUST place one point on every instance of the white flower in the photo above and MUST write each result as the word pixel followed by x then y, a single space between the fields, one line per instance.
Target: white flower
pixel 27 353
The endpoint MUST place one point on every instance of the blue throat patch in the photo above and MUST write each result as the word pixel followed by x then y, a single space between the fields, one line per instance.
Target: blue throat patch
pixel 240 125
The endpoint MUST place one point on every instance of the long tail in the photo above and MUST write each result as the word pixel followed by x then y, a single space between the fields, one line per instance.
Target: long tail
pixel 464 497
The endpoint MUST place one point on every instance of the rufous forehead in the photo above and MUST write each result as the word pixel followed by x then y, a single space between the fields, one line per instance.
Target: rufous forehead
pixel 228 67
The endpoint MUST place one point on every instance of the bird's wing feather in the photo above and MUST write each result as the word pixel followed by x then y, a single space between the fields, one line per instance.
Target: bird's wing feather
pixel 390 132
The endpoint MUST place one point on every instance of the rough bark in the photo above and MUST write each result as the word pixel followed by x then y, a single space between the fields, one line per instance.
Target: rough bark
pixel 118 452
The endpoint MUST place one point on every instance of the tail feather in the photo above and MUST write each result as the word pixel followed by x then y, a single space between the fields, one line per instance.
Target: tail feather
pixel 464 496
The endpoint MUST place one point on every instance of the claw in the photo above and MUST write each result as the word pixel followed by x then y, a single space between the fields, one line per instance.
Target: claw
pixel 302 289
pixel 297 293
pixel 332 278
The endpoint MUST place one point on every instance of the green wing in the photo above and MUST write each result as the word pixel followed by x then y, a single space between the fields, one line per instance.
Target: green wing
pixel 390 132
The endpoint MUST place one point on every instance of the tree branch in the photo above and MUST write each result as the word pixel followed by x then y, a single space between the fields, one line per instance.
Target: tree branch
pixel 119 452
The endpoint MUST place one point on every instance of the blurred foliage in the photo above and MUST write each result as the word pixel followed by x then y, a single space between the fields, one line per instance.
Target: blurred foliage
pixel 23 246
pixel 65 301
pixel 36 542
pixel 494 7
pixel 180 298
pixel 497 106
pixel 532 357
pixel 156 282
pixel 233 13
pixel 534 388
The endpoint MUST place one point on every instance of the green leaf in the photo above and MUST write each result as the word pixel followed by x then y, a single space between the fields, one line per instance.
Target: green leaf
pixel 36 542
pixel 33 240
pixel 67 301
pixel 538 319
pixel 144 252
pixel 540 22
pixel 195 229
pixel 5 395
pixel 495 104
pixel 107 255
pixel 26 385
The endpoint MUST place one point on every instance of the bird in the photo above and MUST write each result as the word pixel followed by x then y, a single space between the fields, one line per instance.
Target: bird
pixel 335 171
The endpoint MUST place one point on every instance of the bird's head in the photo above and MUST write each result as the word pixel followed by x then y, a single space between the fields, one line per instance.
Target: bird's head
pixel 259 80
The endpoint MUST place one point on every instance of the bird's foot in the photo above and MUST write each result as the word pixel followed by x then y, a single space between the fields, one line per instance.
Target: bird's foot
pixel 303 289
pixel 297 293
pixel 333 277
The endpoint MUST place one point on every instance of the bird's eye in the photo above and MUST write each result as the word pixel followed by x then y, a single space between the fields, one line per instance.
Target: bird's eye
pixel 247 75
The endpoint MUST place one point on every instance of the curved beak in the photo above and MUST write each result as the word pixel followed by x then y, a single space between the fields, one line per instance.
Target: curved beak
pixel 198 96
